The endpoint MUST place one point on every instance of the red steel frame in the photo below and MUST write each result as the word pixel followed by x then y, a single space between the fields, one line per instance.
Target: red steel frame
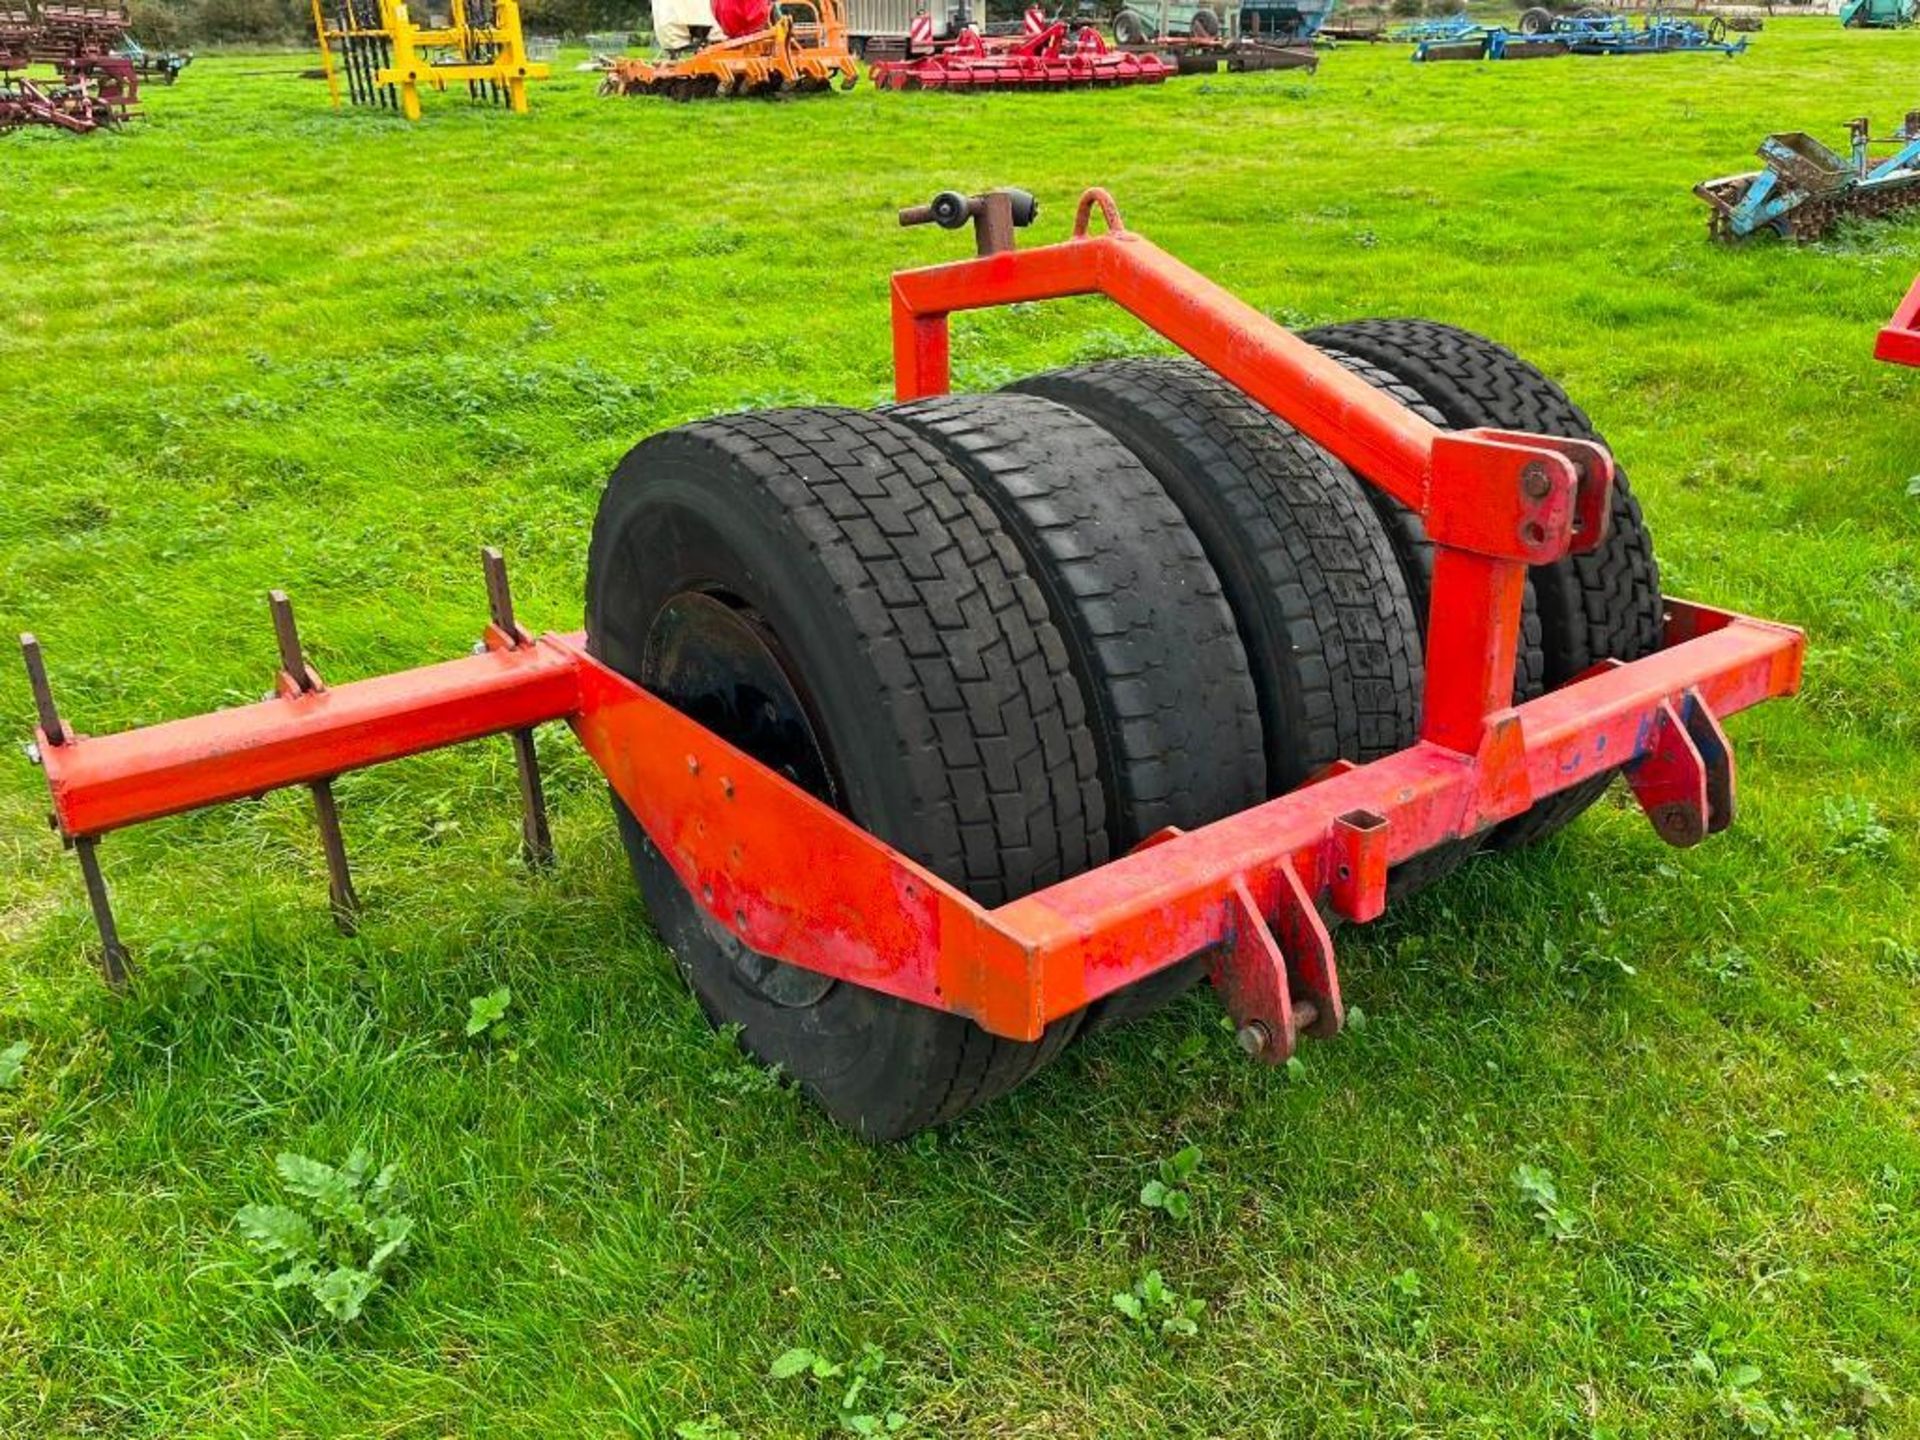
pixel 795 880
pixel 1900 340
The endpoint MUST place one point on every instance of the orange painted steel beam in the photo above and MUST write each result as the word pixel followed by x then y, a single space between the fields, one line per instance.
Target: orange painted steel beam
pixel 794 879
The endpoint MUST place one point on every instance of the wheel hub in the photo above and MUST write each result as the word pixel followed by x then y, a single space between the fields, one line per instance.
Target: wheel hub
pixel 714 659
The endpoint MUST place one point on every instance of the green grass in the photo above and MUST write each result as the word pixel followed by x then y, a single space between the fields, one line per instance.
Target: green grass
pixel 253 343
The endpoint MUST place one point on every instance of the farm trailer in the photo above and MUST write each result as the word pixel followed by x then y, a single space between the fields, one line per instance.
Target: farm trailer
pixel 940 734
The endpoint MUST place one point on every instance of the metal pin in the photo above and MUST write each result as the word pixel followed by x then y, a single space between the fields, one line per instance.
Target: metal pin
pixel 293 661
pixel 536 839
pixel 115 963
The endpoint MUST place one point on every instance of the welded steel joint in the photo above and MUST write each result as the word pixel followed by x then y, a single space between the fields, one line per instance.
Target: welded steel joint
pixel 1511 495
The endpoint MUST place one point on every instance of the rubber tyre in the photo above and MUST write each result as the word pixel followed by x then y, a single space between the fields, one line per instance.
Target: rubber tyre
pixel 939 691
pixel 1591 607
pixel 1314 588
pixel 1407 534
pixel 1129 28
pixel 1148 630
pixel 1536 21
pixel 1413 561
pixel 1205 25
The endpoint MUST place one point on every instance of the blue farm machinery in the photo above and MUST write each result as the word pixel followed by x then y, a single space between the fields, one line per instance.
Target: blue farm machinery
pixel 1542 35
pixel 1877 14
pixel 1806 188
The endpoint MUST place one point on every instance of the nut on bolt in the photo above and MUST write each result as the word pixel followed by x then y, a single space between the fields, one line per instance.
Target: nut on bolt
pixel 1254 1038
pixel 950 210
pixel 1535 481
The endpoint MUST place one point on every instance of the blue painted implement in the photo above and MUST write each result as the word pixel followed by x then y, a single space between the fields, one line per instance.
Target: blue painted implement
pixel 1585 35
pixel 1453 27
pixel 1658 36
pixel 1877 14
pixel 162 65
pixel 1806 188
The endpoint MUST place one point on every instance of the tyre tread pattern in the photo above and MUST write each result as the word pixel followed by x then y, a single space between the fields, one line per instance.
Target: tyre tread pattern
pixel 987 719
pixel 1164 674
pixel 1315 590
pixel 1593 606
pixel 1322 608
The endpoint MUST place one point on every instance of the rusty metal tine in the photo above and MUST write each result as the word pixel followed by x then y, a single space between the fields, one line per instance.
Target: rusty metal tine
pixel 114 960
pixel 536 837
pixel 115 963
pixel 499 594
pixel 50 722
pixel 340 895
pixel 293 660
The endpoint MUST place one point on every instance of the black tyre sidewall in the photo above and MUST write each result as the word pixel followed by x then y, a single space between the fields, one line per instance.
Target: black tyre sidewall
pixel 682 513
pixel 714 538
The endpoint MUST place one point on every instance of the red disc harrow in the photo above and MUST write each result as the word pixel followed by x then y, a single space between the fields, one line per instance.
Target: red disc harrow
pixel 1049 56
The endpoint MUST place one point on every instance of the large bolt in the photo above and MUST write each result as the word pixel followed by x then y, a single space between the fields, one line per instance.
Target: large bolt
pixel 1254 1037
pixel 1535 481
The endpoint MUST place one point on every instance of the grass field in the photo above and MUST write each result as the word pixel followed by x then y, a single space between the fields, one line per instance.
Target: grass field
pixel 251 343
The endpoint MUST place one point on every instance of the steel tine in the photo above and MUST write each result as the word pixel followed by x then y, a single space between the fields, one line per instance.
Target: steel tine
pixel 536 837
pixel 536 840
pixel 293 660
pixel 340 894
pixel 115 963
pixel 499 592
pixel 50 723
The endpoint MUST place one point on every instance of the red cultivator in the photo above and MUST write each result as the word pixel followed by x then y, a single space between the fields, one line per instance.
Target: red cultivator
pixel 1049 55
pixel 79 106
pixel 98 84
pixel 869 694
